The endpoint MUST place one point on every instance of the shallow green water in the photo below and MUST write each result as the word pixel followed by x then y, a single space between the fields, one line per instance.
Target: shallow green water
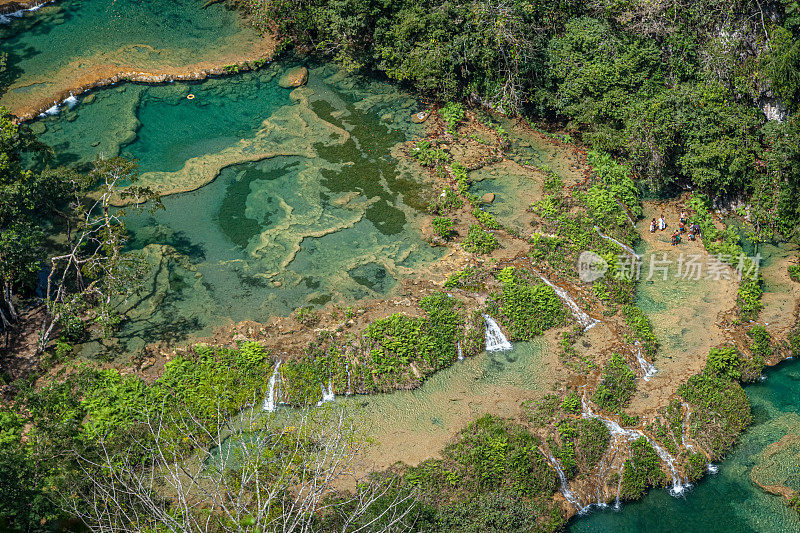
pixel 68 42
pixel 726 502
pixel 336 220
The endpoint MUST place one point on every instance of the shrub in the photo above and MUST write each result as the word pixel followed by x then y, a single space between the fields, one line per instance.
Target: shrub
pixel 460 175
pixel 479 241
pixel 527 309
pixel 721 411
pixel 446 202
pixel 642 328
pixel 642 470
pixel 443 227
pixel 619 384
pixel 486 220
pixel 429 155
pixel 571 403
pixel 794 273
pixel 724 362
pixel 452 113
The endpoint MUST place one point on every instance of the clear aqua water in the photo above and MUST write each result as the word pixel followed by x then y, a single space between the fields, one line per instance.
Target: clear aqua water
pixel 337 223
pixel 64 41
pixel 726 502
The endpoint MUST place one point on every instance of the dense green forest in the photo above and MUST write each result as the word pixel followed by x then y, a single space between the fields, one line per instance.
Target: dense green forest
pixel 683 90
pixel 688 95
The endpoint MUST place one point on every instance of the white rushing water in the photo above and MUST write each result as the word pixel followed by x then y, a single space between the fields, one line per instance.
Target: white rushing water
pixel 495 340
pixel 679 485
pixel 583 319
pixel 568 494
pixel 615 241
pixel 648 368
pixel 8 17
pixel 271 401
pixel 349 383
pixel 327 394
pixel 460 353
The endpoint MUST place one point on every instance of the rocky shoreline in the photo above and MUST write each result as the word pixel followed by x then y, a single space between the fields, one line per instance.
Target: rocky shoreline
pixel 12 6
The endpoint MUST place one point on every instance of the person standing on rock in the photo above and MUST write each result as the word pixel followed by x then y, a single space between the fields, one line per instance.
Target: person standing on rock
pixel 662 224
pixel 653 226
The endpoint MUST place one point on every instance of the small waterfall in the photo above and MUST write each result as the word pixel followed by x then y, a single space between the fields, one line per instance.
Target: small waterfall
pixel 495 340
pixel 678 486
pixel 349 383
pixel 460 353
pixel 72 101
pixel 617 504
pixel 271 400
pixel 646 367
pixel 6 18
pixel 327 394
pixel 615 241
pixel 583 319
pixel 712 468
pixel 617 431
pixel 568 494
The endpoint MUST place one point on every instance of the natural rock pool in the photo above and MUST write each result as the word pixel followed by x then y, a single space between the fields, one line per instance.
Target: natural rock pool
pixel 293 196
pixel 71 44
pixel 726 501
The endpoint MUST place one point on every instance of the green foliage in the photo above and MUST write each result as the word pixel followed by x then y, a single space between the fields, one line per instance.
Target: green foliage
pixel 486 219
pixel 443 227
pixel 642 328
pixel 446 202
pixel 721 411
pixel 618 385
pixel 462 279
pixel 430 343
pixel 460 175
pixel 571 403
pixel 493 453
pixel 527 308
pixel 642 470
pixel 306 316
pixel 479 241
pixel 452 113
pixel 429 155
pixel 724 362
pixel 794 273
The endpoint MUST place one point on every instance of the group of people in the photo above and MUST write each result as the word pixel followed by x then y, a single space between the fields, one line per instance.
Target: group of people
pixel 694 229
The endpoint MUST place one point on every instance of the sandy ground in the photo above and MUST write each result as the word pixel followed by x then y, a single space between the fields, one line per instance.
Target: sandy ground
pixel 691 321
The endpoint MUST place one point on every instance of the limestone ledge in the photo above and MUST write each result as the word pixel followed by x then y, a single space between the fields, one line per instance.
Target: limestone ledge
pixel 32 111
pixel 12 6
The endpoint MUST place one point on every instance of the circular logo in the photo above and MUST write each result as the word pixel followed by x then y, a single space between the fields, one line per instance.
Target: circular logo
pixel 591 267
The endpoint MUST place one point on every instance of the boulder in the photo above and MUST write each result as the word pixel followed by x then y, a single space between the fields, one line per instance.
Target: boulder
pixel 487 198
pixel 419 118
pixel 294 77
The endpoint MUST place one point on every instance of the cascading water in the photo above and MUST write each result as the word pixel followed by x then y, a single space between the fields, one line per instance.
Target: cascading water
pixel 678 485
pixel 648 368
pixel 568 494
pixel 615 241
pixel 271 401
pixel 583 319
pixel 495 340
pixel 460 353
pixel 349 383
pixel 327 394
pixel 617 503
